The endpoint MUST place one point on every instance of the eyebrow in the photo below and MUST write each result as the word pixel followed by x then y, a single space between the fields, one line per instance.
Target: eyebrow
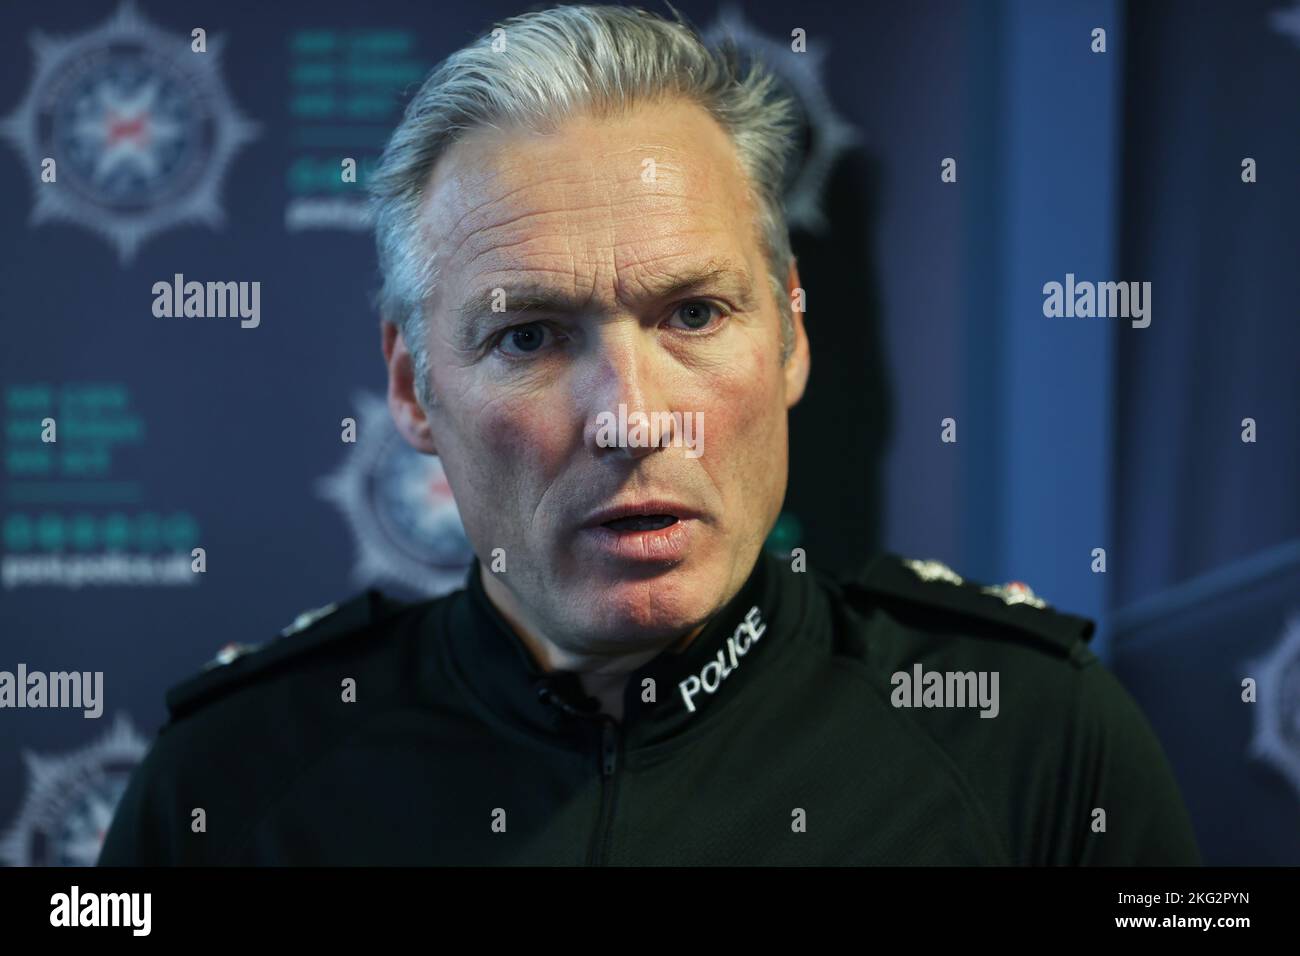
pixel 540 297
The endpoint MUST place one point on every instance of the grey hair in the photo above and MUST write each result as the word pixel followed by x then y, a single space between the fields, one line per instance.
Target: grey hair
pixel 555 64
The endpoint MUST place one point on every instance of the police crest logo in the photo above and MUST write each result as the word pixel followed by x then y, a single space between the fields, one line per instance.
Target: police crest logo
pixel 71 799
pixel 397 504
pixel 1276 738
pixel 139 126
pixel 824 136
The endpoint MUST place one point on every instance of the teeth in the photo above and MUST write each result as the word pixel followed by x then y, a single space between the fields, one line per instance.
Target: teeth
pixel 641 522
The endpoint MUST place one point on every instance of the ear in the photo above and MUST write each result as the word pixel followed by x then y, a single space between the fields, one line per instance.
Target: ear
pixel 408 415
pixel 799 364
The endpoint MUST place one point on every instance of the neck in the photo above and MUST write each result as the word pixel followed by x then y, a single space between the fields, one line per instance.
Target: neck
pixel 603 676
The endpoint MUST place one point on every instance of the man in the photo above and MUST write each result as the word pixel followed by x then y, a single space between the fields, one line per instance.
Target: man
pixel 579 224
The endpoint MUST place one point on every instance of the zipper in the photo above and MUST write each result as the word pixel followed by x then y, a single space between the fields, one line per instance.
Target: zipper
pixel 608 761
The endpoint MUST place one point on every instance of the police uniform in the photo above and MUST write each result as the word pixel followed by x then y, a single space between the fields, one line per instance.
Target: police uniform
pixel 390 733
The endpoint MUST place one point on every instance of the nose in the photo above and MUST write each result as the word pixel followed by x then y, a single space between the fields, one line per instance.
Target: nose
pixel 624 398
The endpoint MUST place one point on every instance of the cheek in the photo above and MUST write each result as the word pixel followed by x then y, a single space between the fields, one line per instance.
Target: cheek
pixel 744 421
pixel 517 442
pixel 501 458
pixel 746 400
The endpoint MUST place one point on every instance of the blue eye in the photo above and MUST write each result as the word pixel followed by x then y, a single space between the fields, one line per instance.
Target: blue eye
pixel 524 339
pixel 696 314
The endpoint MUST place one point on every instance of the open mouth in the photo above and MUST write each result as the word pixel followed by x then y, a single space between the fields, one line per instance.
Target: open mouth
pixel 632 523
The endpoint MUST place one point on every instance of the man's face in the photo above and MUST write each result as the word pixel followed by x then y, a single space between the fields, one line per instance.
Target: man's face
pixel 629 272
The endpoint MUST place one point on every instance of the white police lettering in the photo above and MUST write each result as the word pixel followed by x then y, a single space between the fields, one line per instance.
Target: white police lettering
pixel 716 671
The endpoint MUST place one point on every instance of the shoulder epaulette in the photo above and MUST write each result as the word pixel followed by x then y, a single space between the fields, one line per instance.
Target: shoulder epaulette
pixel 235 664
pixel 933 585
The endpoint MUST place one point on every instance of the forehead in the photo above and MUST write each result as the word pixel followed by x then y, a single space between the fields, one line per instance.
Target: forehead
pixel 657 188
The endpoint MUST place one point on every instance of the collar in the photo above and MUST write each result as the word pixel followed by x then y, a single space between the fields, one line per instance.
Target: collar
pixel 749 637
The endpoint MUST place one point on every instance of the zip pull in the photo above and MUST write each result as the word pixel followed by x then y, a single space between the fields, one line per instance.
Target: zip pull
pixel 566 697
pixel 609 747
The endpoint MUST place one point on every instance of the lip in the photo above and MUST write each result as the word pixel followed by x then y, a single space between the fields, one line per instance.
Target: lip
pixel 653 506
pixel 663 546
pixel 660 546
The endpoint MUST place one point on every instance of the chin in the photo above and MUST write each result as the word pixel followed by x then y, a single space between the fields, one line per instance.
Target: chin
pixel 651 609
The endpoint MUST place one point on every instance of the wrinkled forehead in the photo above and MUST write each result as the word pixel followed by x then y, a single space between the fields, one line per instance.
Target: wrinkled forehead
pixel 660 181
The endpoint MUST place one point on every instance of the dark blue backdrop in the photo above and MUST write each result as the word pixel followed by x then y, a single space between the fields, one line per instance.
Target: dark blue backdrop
pixel 924 303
